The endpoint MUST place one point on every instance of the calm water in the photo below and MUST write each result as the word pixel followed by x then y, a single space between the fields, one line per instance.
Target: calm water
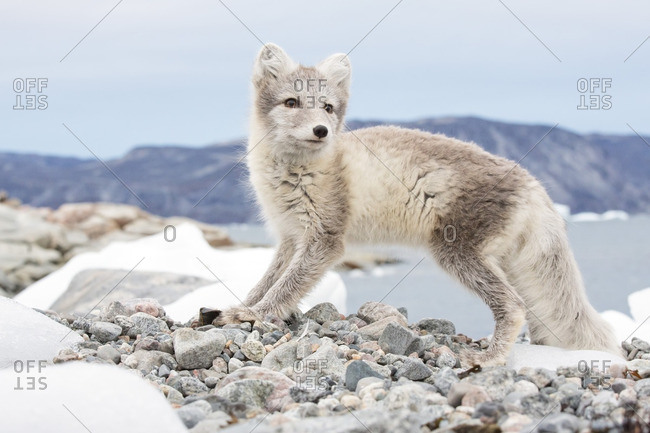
pixel 614 257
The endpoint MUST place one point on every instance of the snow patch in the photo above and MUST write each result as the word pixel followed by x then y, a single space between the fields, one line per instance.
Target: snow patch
pixel 100 398
pixel 626 327
pixel 235 272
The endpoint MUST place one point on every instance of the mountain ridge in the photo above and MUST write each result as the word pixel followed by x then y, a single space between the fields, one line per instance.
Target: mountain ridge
pixel 588 172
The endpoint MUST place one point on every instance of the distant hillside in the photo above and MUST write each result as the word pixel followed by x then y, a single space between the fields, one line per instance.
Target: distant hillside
pixel 587 172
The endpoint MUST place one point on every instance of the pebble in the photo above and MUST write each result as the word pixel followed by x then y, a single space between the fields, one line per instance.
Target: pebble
pixel 195 349
pixel 372 312
pixel 413 369
pixel 357 370
pixel 191 414
pixel 253 350
pixel 437 326
pixel 109 353
pixel 370 367
pixel 324 312
pixel 105 331
pixel 396 339
pixel 145 324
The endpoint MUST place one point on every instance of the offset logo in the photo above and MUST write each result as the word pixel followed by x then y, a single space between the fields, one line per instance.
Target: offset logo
pixel 594 93
pixel 29 93
pixel 596 373
pixel 29 375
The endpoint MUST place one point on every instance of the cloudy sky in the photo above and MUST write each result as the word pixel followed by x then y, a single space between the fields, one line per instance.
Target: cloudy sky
pixel 172 72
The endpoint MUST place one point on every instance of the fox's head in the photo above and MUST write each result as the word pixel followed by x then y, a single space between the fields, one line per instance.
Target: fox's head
pixel 301 109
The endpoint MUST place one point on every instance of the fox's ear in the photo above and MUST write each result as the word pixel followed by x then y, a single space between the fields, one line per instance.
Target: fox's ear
pixel 271 62
pixel 337 69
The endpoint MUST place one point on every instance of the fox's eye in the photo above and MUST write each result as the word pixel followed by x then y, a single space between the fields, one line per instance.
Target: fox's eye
pixel 329 108
pixel 291 103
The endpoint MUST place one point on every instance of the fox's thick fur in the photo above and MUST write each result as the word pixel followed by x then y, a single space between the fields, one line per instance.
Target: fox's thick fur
pixel 485 220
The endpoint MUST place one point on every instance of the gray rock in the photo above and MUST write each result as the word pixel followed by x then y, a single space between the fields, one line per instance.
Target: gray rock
pixel 124 322
pixel 191 414
pixel 252 392
pixel 541 377
pixel 281 357
pixel 311 394
pixel 411 396
pixel 524 388
pixel 187 385
pixel 149 360
pixel 145 324
pixel 374 311
pixel 414 369
pixel 279 396
pixel 496 381
pixel 642 388
pixel 212 423
pixel 234 364
pixel 490 412
pixel 161 342
pixel 559 422
pixel 172 395
pixel 324 312
pixel 457 391
pixel 396 339
pixel 437 326
pixel 164 371
pixel 539 405
pixel 642 345
pixel 88 287
pixel 323 362
pixel 340 325
pixel 113 309
pixel 604 402
pixel 105 331
pixel 444 379
pixel 446 359
pixel 195 349
pixel 374 330
pixel 253 350
pixel 357 370
pixel 109 353
pixel 641 366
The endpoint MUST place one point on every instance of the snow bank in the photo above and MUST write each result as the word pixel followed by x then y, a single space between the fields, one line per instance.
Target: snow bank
pixel 28 335
pixel 79 397
pixel 638 325
pixel 235 272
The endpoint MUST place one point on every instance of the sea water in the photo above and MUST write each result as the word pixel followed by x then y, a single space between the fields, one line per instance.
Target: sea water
pixel 613 256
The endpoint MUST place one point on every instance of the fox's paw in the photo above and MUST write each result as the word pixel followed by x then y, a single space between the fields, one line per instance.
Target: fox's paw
pixel 471 358
pixel 237 315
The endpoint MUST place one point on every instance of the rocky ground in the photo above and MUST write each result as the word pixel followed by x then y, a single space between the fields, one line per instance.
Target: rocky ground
pixel 368 372
pixel 37 241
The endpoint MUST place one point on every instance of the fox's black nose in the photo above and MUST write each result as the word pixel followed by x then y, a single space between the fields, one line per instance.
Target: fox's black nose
pixel 320 131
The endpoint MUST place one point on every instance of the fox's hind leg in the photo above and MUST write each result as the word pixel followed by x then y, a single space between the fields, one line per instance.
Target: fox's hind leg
pixel 485 278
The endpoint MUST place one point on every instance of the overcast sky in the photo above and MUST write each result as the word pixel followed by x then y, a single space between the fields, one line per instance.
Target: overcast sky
pixel 177 72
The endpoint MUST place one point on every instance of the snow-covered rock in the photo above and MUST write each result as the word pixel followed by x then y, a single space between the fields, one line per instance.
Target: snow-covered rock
pixel 78 397
pixel 235 272
pixel 638 325
pixel 26 335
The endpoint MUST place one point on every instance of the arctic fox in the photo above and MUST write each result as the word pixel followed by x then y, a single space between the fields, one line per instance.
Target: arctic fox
pixel 484 219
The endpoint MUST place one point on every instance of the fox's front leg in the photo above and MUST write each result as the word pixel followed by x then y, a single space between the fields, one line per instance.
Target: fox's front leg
pixel 245 312
pixel 313 257
pixel 283 255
